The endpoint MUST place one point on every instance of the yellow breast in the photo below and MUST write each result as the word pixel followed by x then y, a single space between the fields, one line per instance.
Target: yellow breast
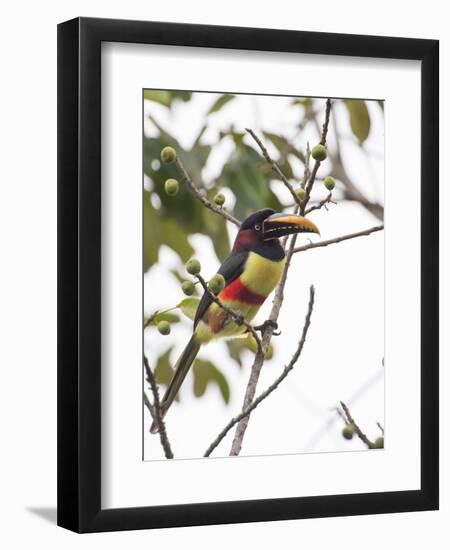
pixel 262 275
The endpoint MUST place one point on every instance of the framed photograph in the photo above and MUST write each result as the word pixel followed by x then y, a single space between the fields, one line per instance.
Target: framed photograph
pixel 247 276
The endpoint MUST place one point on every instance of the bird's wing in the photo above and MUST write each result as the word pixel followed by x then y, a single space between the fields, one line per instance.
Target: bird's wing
pixel 231 268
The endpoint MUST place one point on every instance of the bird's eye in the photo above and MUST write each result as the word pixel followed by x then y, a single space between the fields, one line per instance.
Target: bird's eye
pixel 257 227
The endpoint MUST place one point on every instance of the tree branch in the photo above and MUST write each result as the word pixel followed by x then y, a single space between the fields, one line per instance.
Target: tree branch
pixel 260 356
pixel 201 197
pixel 312 178
pixel 149 320
pixel 276 306
pixel 321 204
pixel 274 166
pixel 336 240
pixel 155 410
pixel 287 369
pixel 351 191
pixel 237 317
pixel 362 436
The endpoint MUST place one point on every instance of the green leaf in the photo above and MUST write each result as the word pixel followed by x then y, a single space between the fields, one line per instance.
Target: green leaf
pixel 158 96
pixel 216 229
pixel 304 101
pixel 235 348
pixel 285 149
pixel 166 316
pixel 189 306
pixel 183 209
pixel 248 175
pixel 284 146
pixel 205 373
pixel 166 97
pixel 181 278
pixel 164 371
pixel 174 237
pixel 159 230
pixel 220 102
pixel 237 345
pixel 359 118
pixel 152 233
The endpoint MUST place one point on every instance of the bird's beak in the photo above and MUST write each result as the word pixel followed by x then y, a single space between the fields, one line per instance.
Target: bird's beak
pixel 279 225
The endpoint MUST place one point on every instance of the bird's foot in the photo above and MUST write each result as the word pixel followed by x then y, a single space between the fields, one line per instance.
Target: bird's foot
pixel 269 323
pixel 239 319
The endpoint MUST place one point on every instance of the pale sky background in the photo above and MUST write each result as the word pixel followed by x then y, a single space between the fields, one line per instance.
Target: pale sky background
pixel 342 358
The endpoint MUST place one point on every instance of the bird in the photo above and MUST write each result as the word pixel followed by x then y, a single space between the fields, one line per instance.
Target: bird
pixel 251 272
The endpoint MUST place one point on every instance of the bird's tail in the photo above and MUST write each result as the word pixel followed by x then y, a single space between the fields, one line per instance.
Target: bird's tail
pixel 181 369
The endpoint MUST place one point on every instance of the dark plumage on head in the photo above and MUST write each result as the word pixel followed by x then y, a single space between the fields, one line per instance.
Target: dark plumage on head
pixel 256 217
pixel 260 232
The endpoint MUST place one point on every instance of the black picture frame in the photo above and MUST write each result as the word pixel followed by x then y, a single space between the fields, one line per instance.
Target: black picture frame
pixel 79 274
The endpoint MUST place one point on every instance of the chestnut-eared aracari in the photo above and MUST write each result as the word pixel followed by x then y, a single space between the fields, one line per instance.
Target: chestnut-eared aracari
pixel 251 271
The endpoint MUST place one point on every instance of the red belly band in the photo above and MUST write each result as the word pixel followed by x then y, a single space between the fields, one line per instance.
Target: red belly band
pixel 238 291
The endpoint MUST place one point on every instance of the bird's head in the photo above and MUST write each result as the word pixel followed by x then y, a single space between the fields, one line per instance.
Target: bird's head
pixel 262 229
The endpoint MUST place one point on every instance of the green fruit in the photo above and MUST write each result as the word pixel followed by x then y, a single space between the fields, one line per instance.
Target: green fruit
pixel 188 288
pixel 300 192
pixel 217 283
pixel 168 155
pixel 319 152
pixel 378 443
pixel 347 431
pixel 163 327
pixel 329 183
pixel 193 267
pixel 171 187
pixel 219 199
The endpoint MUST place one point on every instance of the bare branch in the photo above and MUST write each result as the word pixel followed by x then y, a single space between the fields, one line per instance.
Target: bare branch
pixel 150 319
pixel 353 399
pixel 237 317
pixel 287 369
pixel 312 177
pixel 149 405
pixel 260 356
pixel 321 204
pixel 336 240
pixel 350 420
pixel 273 317
pixel 351 192
pixel 274 166
pixel 155 410
pixel 201 197
pixel 306 171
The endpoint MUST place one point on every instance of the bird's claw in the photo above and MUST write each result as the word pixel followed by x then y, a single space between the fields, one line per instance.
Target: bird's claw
pixel 239 319
pixel 269 323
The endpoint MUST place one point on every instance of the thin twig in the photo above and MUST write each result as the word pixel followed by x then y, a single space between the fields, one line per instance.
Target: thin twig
pixel 336 240
pixel 201 197
pixel 260 356
pixel 352 400
pixel 237 317
pixel 155 410
pixel 381 427
pixel 321 204
pixel 351 191
pixel 306 171
pixel 287 369
pixel 150 319
pixel 350 420
pixel 276 306
pixel 149 405
pixel 274 165
pixel 312 178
